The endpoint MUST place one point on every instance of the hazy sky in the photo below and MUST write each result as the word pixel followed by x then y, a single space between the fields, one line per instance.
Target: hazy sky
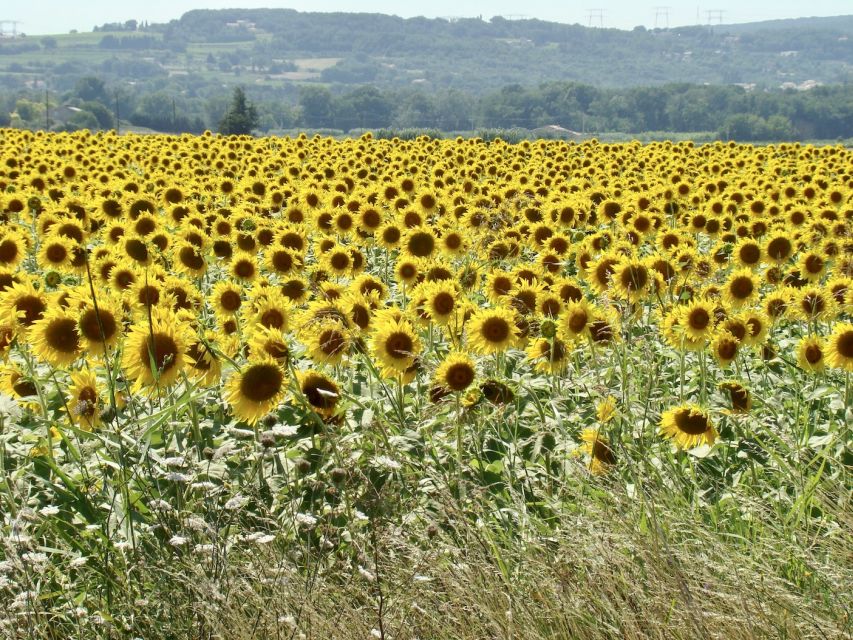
pixel 60 16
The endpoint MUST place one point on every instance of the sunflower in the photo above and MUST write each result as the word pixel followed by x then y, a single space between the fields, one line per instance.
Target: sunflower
pixel 747 253
pixel 696 318
pixel 605 410
pixel 100 326
pixel 282 260
pixel 55 252
pixel 268 342
pixel 256 389
pixel 55 340
pixel 327 341
pixel 548 355
pixel 839 347
pixel 811 354
pixel 419 242
pixel 155 352
pixel 576 319
pixel 15 383
pixel 631 279
pixel 456 372
pixel 203 363
pixel 84 400
pixel 688 426
pixel 814 303
pixel 498 284
pixel 244 267
pixel 812 265
pixel 22 305
pixel 13 249
pixel 757 325
pixel 321 392
pixel 407 270
pixel 189 259
pixel 739 396
pixel 442 301
pixel 271 310
pixel 395 345
pixel 598 449
pixel 492 330
pixel 741 288
pixel 226 298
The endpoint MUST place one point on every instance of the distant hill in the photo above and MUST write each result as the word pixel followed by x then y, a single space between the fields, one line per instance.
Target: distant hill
pixel 276 49
pixel 474 54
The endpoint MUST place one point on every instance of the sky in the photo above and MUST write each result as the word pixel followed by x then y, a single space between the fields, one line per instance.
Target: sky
pixel 60 16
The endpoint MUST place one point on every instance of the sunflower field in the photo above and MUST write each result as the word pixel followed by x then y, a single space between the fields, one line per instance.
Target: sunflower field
pixel 359 388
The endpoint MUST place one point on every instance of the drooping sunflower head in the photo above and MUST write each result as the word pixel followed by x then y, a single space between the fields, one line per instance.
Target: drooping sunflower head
pixel 156 349
pixel 321 392
pixel 84 400
pixel 811 354
pixel 688 426
pixel 597 448
pixel 739 396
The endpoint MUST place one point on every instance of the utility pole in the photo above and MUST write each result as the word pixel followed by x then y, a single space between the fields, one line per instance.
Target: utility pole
pixel 662 13
pixel 596 14
pixel 118 124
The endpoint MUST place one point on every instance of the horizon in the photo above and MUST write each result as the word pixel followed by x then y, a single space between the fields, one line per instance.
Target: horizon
pixel 618 14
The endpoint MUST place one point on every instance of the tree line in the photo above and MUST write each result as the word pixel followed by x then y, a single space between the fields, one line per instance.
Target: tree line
pixel 726 112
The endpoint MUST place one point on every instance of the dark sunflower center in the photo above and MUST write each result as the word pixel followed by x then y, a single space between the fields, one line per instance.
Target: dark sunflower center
pixel 33 308
pixel 779 248
pixel 272 318
pixel 601 331
pixel 495 330
pixel 742 287
pixel 459 376
pixel 282 261
pixel 56 253
pixel 602 452
pixel 814 264
pixel 87 401
pixel 244 269
pixel 321 393
pixel 727 349
pixel 693 424
pixel 293 289
pixel 750 254
pixel 578 321
pixel 62 336
pixel 421 244
pixel 191 259
pixel 635 278
pixel 148 295
pixel 399 345
pixel 813 304
pixel 24 387
pixel 198 352
pixel 137 250
pixel 332 342
pixel 230 300
pixel 698 319
pixel 261 382
pixel 90 328
pixel 844 344
pixel 813 354
pixel 604 271
pixel 159 349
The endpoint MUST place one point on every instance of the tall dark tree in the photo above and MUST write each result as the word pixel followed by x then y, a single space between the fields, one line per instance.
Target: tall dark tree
pixel 241 116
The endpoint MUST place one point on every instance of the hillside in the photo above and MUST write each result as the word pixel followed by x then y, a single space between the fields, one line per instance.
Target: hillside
pixel 275 48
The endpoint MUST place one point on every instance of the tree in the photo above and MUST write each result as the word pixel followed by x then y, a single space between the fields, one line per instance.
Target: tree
pixel 241 116
pixel 316 106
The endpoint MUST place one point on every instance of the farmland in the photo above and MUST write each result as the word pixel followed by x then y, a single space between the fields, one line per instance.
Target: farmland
pixel 306 387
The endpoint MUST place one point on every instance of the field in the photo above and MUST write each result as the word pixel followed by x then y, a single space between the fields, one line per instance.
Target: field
pixel 315 388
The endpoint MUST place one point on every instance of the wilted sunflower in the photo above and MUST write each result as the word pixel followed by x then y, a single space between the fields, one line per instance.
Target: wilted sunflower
pixel 256 389
pixel 327 341
pixel 688 426
pixel 456 372
pixel 155 353
pixel 597 448
pixel 84 400
pixel 839 347
pixel 548 355
pixel 321 392
pixel 739 396
pixel 492 331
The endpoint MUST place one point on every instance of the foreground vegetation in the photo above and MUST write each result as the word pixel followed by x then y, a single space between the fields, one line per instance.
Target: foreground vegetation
pixel 429 388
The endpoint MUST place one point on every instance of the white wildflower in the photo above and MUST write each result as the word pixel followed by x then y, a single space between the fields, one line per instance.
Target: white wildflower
pixel 174 476
pixel 367 575
pixel 305 520
pixel 178 541
pixel 237 502
pixel 175 462
pixel 384 462
pixel 284 430
pixel 50 510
